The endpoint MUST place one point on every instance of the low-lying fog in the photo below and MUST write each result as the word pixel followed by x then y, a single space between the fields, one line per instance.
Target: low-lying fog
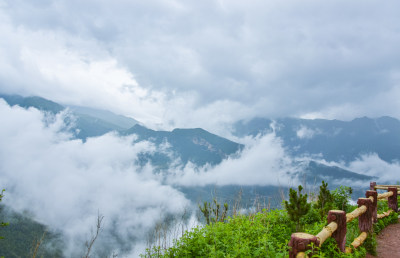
pixel 64 183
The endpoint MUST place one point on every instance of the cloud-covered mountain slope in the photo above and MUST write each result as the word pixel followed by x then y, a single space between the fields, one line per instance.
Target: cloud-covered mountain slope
pixel 332 140
pixel 179 146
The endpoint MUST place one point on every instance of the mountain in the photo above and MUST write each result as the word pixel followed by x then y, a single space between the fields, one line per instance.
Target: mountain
pixel 86 122
pixel 334 140
pixel 186 145
pixel 316 172
pixel 34 101
pixel 120 121
pixel 195 145
pixel 21 234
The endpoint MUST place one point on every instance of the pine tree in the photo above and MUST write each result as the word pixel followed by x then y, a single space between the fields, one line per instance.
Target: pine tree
pixel 297 206
pixel 325 200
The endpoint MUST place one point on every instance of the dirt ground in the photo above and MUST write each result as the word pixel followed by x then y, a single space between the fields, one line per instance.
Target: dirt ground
pixel 388 242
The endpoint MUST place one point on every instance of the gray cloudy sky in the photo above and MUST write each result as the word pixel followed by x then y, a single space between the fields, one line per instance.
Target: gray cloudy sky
pixel 205 63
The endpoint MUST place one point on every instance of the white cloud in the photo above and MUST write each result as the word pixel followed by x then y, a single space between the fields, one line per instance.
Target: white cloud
pixel 263 162
pixel 372 165
pixel 81 74
pixel 63 182
pixel 151 60
pixel 305 133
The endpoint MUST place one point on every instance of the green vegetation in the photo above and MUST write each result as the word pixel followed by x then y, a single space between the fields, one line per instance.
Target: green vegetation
pixel 213 213
pixel 325 201
pixel 24 237
pixel 341 197
pixel 256 235
pixel 297 206
pixel 267 233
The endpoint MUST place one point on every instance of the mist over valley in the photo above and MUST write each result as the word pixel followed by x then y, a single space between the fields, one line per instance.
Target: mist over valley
pixel 62 166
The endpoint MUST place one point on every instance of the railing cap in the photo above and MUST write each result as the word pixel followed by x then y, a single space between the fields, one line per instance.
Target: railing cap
pixel 337 211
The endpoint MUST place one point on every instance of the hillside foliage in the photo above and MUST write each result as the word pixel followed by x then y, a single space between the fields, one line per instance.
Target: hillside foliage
pixel 22 235
pixel 267 233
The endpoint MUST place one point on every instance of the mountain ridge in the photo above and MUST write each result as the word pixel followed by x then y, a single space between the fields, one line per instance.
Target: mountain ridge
pixel 193 145
pixel 336 140
pixel 201 147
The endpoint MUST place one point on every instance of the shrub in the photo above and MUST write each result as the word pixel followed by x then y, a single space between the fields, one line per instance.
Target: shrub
pixel 341 197
pixel 297 206
pixel 264 234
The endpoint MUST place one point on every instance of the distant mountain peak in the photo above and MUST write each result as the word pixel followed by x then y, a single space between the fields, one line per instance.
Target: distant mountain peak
pixel 194 145
pixel 335 140
pixel 33 101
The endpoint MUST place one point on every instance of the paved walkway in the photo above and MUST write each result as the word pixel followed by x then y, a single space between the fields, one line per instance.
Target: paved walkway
pixel 388 242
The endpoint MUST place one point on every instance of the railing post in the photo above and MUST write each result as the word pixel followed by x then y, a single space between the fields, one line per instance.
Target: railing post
pixel 339 235
pixel 374 203
pixel 372 186
pixel 392 200
pixel 300 242
pixel 365 219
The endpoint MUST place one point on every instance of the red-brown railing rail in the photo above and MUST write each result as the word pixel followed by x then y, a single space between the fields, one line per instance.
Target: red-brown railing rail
pixel 338 219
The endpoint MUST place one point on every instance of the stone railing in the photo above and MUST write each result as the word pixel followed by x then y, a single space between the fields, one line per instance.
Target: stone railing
pixel 338 219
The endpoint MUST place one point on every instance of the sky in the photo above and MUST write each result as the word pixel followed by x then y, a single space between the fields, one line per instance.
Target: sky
pixel 205 63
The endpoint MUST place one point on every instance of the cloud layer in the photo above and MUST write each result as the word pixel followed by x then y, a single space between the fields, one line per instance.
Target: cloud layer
pixel 263 162
pixel 331 59
pixel 64 183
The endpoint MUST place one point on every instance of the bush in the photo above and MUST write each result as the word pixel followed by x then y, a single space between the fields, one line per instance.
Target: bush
pixel 341 197
pixel 312 216
pixel 264 234
pixel 297 206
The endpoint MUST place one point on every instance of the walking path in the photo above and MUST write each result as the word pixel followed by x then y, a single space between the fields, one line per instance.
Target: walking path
pixel 388 242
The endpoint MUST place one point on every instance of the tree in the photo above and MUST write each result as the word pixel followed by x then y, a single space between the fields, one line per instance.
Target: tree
pixel 89 244
pixel 325 201
pixel 36 245
pixel 297 206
